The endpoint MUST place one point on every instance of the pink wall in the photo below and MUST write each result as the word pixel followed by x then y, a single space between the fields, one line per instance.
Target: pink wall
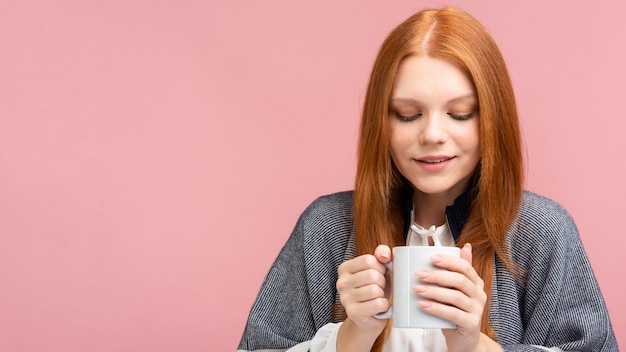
pixel 155 155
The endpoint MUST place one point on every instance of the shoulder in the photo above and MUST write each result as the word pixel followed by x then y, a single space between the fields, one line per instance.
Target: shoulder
pixel 334 201
pixel 545 213
pixel 328 222
pixel 542 228
pixel 336 207
pixel 322 232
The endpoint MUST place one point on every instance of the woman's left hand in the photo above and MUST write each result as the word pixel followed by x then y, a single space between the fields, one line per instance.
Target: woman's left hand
pixel 459 297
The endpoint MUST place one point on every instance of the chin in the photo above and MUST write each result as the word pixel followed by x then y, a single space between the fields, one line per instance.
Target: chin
pixel 432 190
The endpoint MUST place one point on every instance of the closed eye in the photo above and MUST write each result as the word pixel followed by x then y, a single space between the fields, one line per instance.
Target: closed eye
pixel 462 117
pixel 407 118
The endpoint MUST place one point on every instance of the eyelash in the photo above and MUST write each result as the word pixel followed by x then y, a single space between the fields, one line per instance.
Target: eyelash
pixel 407 118
pixel 462 117
pixel 454 116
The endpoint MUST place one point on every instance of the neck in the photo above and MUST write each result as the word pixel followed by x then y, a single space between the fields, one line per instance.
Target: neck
pixel 430 209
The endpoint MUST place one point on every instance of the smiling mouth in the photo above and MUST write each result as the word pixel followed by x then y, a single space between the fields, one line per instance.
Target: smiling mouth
pixel 434 161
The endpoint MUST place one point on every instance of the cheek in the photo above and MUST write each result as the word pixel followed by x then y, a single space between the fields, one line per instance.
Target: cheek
pixel 400 137
pixel 472 145
pixel 397 144
pixel 476 151
pixel 470 138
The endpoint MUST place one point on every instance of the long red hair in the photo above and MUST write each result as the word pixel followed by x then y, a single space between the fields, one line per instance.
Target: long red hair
pixel 453 35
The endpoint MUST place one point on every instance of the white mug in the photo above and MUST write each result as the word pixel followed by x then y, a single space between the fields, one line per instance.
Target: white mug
pixel 405 311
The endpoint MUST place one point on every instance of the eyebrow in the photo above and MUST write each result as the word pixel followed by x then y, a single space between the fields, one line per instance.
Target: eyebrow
pixel 451 101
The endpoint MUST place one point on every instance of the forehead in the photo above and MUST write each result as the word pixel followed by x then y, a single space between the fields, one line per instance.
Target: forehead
pixel 427 78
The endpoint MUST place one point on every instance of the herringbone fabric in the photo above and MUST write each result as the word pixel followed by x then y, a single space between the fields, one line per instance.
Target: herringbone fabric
pixel 558 305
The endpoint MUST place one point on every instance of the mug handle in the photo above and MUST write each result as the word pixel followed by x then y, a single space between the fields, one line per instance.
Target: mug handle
pixel 388 313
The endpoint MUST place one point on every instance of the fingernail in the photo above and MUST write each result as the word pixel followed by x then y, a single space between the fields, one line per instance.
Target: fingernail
pixel 419 288
pixel 425 304
pixel 436 258
pixel 423 274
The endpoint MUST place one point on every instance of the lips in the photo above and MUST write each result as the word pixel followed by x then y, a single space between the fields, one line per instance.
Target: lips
pixel 434 160
pixel 435 163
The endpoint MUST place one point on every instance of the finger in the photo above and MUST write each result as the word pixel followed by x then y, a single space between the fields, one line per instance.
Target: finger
pixel 368 277
pixel 466 252
pixel 347 281
pixel 453 280
pixel 367 293
pixel 452 297
pixel 365 310
pixel 364 301
pixel 462 319
pixel 360 263
pixel 383 253
pixel 458 265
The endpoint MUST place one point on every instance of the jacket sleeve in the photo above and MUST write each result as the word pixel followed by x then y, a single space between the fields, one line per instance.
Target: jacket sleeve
pixel 297 296
pixel 561 305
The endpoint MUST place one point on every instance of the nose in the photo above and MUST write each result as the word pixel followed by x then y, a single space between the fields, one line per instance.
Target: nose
pixel 432 130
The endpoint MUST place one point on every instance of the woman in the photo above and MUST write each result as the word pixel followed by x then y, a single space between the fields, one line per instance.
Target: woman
pixel 439 149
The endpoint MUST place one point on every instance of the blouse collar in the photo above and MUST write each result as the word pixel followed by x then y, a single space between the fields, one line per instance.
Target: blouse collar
pixel 456 214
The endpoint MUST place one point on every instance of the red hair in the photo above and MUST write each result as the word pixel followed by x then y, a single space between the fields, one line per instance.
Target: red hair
pixel 452 35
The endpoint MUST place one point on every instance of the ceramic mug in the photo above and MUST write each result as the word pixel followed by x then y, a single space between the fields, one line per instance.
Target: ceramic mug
pixel 405 311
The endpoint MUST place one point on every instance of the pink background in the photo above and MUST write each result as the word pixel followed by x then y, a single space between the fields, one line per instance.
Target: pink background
pixel 155 155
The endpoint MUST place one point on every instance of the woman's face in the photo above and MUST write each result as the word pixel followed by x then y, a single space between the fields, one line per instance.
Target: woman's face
pixel 434 126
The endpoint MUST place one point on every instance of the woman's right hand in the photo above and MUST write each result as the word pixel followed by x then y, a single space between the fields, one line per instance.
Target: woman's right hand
pixel 361 285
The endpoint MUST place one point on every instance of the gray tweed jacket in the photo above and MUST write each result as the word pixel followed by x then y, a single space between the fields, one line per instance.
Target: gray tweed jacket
pixel 559 305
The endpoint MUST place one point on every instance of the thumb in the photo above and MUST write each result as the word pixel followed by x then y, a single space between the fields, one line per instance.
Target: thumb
pixel 466 252
pixel 383 253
